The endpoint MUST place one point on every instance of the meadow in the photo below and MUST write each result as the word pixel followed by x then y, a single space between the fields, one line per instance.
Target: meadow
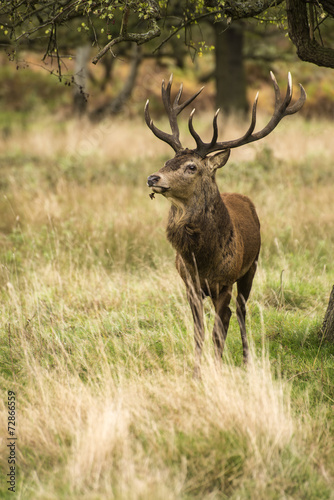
pixel 97 337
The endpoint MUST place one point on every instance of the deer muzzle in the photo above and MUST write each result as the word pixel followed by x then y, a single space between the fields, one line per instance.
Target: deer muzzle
pixel 153 182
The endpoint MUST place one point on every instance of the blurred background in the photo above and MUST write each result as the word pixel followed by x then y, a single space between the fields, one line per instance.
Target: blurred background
pixel 233 64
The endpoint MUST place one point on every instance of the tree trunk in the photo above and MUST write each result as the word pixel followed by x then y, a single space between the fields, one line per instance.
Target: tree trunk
pixel 328 324
pixel 117 104
pixel 302 36
pixel 108 64
pixel 230 73
pixel 80 79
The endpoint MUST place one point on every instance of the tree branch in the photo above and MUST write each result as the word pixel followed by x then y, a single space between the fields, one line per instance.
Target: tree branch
pixel 328 6
pixel 139 38
pixel 185 23
pixel 308 49
pixel 249 8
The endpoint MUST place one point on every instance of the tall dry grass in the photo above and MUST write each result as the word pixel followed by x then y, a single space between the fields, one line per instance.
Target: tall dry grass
pixel 122 139
pixel 96 333
pixel 134 429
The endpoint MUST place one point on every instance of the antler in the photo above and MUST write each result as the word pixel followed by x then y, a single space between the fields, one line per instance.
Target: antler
pixel 172 111
pixel 282 109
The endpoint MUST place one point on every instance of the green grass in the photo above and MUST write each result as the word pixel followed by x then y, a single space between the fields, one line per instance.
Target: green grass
pixel 96 333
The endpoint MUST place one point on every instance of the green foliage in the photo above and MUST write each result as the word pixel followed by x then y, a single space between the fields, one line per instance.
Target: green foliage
pixel 111 22
pixel 48 24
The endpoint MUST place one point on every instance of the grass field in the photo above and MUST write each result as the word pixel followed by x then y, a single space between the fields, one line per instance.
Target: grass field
pixel 96 333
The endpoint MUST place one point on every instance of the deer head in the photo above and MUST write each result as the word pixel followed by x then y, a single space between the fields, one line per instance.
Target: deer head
pixel 179 178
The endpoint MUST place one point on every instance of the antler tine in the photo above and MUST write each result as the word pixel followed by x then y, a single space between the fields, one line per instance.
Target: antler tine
pixel 165 93
pixel 290 110
pixel 277 90
pixel 282 108
pixel 198 140
pixel 253 121
pixel 288 95
pixel 172 140
pixel 172 110
pixel 215 128
pixel 204 149
pixel 278 98
pixel 148 120
pixel 298 104
pixel 188 101
pixel 178 95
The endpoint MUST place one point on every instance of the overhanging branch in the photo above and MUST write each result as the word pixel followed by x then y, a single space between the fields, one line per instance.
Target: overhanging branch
pixel 139 38
pixel 249 8
pixel 308 49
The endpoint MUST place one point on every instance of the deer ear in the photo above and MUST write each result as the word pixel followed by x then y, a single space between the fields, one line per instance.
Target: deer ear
pixel 219 159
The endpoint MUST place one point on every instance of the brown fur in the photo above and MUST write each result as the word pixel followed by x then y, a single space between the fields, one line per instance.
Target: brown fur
pixel 216 238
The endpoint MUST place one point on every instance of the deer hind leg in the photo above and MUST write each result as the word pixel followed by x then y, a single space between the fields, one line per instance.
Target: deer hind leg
pixel 196 304
pixel 222 320
pixel 244 286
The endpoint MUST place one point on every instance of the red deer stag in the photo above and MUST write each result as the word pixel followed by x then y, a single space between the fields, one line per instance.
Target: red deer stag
pixel 216 236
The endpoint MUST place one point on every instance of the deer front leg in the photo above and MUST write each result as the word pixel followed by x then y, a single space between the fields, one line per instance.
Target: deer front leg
pixel 222 321
pixel 241 315
pixel 196 305
pixel 244 285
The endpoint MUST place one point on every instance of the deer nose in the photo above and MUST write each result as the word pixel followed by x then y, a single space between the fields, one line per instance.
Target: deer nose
pixel 152 179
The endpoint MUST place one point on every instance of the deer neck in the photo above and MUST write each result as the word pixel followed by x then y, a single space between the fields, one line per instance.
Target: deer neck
pixel 200 225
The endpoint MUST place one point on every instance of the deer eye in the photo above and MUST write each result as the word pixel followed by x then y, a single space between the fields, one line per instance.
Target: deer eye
pixel 192 167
